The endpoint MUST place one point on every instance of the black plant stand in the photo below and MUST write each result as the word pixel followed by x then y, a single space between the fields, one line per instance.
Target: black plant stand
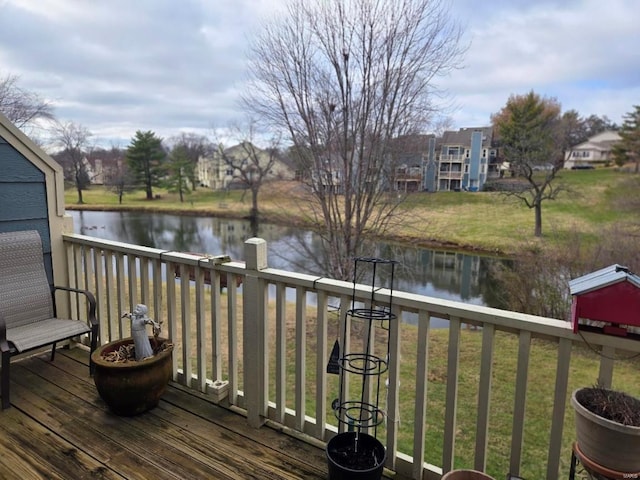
pixel 356 453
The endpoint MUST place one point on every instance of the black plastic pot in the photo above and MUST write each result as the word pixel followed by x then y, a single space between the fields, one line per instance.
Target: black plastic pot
pixel 354 456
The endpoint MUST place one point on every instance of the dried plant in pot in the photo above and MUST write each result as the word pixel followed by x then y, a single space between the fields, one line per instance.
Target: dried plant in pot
pixel 131 374
pixel 608 427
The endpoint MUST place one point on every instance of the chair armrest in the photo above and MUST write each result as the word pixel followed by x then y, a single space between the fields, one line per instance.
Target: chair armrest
pixel 90 298
pixel 4 345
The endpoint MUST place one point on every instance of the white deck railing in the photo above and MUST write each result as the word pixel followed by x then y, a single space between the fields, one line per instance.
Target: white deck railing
pixel 263 350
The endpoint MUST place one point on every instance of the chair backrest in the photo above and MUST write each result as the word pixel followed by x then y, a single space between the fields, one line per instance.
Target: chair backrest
pixel 25 294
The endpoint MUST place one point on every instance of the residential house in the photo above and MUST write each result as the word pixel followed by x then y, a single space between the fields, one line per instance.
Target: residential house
pixel 215 173
pixel 100 166
pixel 105 166
pixel 597 150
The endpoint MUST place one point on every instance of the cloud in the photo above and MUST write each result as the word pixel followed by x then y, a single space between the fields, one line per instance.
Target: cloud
pixel 583 53
pixel 116 66
pixel 143 61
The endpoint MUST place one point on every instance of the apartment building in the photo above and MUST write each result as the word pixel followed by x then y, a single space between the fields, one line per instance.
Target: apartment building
pixel 460 160
pixel 465 159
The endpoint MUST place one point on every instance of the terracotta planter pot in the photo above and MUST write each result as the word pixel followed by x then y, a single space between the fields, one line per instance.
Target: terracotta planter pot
pixel 607 443
pixel 345 465
pixel 133 387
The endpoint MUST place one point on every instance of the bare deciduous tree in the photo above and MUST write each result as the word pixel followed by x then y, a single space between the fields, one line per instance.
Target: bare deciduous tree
pixel 250 165
pixel 22 107
pixel 344 78
pixel 73 140
pixel 118 179
pixel 441 125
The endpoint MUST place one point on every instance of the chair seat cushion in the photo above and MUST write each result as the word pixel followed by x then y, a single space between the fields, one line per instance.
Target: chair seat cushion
pixel 44 332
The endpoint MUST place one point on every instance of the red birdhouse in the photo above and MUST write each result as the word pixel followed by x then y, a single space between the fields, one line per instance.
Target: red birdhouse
pixel 607 300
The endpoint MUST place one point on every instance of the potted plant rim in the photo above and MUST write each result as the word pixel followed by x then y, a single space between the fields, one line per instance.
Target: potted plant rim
pixel 131 374
pixel 608 427
pixel 466 475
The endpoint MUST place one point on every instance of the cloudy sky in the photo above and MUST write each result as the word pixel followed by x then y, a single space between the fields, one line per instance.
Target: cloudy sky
pixel 171 66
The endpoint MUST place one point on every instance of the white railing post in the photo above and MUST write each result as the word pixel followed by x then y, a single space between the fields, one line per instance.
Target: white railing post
pixel 254 333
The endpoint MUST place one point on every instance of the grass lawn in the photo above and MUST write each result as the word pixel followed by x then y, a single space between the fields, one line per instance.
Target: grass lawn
pixel 484 221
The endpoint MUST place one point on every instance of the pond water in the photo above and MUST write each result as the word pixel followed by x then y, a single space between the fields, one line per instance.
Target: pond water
pixel 442 274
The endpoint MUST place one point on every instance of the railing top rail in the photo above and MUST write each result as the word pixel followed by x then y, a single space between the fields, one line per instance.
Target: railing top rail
pixel 503 320
pixel 191 259
pixel 112 245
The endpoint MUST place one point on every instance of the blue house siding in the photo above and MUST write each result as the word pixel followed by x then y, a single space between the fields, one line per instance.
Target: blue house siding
pixel 472 181
pixel 23 198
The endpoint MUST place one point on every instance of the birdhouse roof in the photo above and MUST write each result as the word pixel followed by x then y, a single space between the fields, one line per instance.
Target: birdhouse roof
pixel 603 278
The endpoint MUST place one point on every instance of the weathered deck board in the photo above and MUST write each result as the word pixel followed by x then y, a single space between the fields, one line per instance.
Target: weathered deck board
pixel 31 451
pixel 186 409
pixel 58 427
pixel 134 445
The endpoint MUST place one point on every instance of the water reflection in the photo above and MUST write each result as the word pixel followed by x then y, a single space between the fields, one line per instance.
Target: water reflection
pixel 449 275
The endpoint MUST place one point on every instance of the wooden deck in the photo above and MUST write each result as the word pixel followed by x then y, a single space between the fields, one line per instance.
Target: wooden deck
pixel 58 427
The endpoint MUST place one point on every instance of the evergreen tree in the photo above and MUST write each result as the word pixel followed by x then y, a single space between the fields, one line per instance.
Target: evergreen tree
pixel 628 149
pixel 193 147
pixel 145 157
pixel 180 171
